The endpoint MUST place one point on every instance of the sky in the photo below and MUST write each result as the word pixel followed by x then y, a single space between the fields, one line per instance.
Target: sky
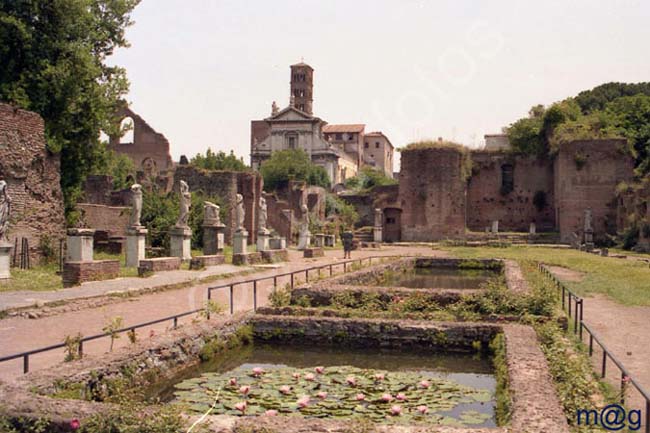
pixel 201 70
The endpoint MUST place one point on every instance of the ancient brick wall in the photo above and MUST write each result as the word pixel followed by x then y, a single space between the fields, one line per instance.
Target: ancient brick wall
pixel 515 208
pixel 280 216
pixel 226 185
pixel 32 174
pixel 432 194
pixel 110 219
pixel 587 173
pixel 75 273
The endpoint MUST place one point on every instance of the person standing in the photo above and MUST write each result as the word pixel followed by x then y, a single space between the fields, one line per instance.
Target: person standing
pixel 347 239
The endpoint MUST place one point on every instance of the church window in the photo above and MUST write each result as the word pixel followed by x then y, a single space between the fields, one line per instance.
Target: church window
pixel 507 179
pixel 376 145
pixel 339 137
pixel 365 145
pixel 301 107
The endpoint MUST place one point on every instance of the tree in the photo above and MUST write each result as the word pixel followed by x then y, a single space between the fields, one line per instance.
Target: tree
pixel 367 178
pixel 292 164
pixel 631 118
pixel 597 98
pixel 54 63
pixel 117 165
pixel 219 161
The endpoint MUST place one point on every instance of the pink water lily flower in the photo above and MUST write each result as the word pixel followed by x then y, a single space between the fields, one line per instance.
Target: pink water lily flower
pixel 401 396
pixel 351 380
pixel 232 381
pixel 360 397
pixel 285 389
pixel 296 375
pixel 75 424
pixel 322 395
pixel 271 412
pixel 310 377
pixel 386 397
pixel 396 410
pixel 425 383
pixel 257 371
pixel 303 401
pixel 244 389
pixel 423 409
pixel 380 376
pixel 319 370
pixel 241 406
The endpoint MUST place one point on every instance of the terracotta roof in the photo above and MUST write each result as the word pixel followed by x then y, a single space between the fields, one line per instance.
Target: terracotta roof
pixel 378 134
pixel 344 128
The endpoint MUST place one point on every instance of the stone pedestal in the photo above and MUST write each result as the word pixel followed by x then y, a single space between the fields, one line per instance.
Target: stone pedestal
pixel 135 238
pixel 5 260
pixel 303 240
pixel 180 243
pixel 533 229
pixel 377 234
pixel 213 239
pixel 320 240
pixel 495 226
pixel 263 237
pixel 240 242
pixel 278 243
pixel 589 240
pixel 330 240
pixel 310 253
pixel 79 245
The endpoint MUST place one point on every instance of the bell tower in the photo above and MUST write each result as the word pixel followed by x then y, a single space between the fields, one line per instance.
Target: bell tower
pixel 302 87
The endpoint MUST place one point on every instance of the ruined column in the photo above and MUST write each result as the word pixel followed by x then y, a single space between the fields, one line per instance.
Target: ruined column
pixel 379 226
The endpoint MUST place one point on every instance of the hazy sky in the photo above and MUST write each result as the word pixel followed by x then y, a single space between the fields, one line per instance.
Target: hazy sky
pixel 201 70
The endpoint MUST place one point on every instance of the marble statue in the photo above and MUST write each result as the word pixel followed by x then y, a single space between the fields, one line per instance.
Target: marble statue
pixel 263 216
pixel 240 213
pixel 186 201
pixel 304 220
pixel 5 211
pixel 136 208
pixel 211 214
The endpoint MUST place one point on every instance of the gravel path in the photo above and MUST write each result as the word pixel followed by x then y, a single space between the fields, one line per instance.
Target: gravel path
pixel 18 334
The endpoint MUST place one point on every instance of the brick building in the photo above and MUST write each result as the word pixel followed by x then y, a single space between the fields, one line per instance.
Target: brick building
pixel 337 148
pixel 378 152
pixel 32 175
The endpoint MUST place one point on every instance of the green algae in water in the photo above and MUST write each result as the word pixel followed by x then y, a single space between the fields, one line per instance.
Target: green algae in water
pixel 335 393
pixel 437 278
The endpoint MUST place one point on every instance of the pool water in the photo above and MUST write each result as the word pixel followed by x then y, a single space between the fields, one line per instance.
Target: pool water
pixel 461 386
pixel 437 278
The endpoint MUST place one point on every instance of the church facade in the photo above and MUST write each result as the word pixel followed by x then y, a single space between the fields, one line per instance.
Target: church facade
pixel 336 148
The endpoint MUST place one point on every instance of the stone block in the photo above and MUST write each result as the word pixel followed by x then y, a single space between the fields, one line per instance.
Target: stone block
pixel 247 259
pixel 304 241
pixel 263 241
pixel 278 243
pixel 75 273
pixel 180 243
pixel 213 239
pixel 319 239
pixel 159 264
pixel 79 245
pixel 240 242
pixel 330 240
pixel 135 246
pixel 275 256
pixel 309 253
pixel 5 261
pixel 201 262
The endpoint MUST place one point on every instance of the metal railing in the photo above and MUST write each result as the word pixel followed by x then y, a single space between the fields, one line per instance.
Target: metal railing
pixel 579 325
pixel 206 310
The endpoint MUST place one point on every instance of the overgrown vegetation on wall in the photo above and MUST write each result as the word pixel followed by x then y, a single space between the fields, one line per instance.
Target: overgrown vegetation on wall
pixel 612 110
pixel 219 161
pixel 292 164
pixel 368 178
pixel 466 161
pixel 343 212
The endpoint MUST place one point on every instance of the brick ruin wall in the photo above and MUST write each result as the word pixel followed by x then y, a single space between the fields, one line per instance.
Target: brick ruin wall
pixel 110 219
pixel 432 194
pixel 32 174
pixel 515 209
pixel 587 173
pixel 226 185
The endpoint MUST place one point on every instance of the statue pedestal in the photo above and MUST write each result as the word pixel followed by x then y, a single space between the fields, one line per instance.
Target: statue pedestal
pixel 213 239
pixel 277 243
pixel 377 233
pixel 263 237
pixel 320 240
pixel 135 237
pixel 5 260
pixel 180 245
pixel 79 245
pixel 303 240
pixel 589 240
pixel 240 242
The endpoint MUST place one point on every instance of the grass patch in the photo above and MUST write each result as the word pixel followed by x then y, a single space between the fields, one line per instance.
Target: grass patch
pixel 625 281
pixel 39 278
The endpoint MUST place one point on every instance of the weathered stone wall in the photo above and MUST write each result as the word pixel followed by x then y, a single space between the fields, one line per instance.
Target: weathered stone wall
pixel 432 194
pixel 279 216
pixel 226 185
pixel 32 174
pixel 587 173
pixel 110 219
pixel 515 209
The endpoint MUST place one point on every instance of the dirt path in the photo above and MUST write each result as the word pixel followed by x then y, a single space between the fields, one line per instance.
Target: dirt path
pixel 18 334
pixel 625 330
